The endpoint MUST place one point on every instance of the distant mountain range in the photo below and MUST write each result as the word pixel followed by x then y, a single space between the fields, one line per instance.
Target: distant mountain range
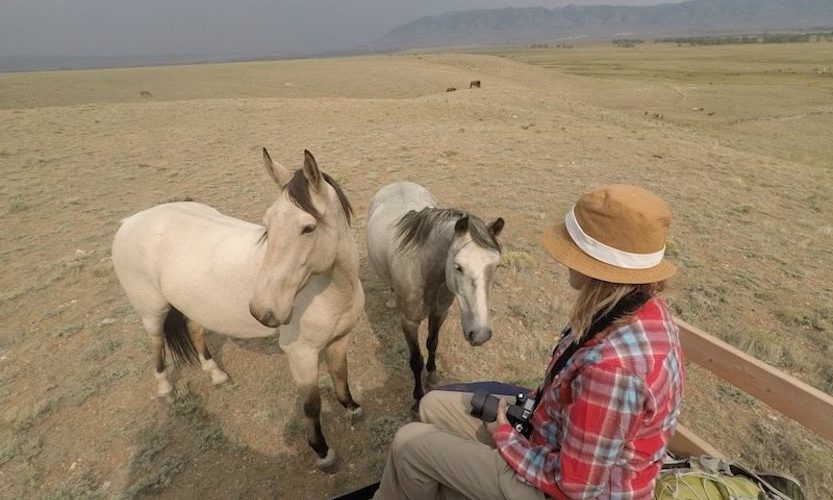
pixel 539 23
pixel 512 25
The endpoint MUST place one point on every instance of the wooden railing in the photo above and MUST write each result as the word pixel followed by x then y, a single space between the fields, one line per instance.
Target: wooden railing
pixel 803 403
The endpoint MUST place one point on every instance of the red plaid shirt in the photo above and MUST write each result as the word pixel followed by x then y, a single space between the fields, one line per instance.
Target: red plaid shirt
pixel 602 424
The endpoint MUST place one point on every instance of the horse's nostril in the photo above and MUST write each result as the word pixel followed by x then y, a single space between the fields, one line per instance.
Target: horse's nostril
pixel 268 318
pixel 479 337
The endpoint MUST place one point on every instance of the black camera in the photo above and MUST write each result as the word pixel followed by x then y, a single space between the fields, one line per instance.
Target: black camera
pixel 484 407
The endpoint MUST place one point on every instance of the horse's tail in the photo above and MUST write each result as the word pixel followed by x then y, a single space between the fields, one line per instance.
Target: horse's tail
pixel 178 339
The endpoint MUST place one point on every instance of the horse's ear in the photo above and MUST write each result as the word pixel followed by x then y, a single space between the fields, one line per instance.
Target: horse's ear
pixel 462 225
pixel 311 171
pixel 496 226
pixel 278 172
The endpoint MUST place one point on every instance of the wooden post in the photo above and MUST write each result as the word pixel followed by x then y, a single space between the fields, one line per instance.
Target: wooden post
pixel 805 404
pixel 688 444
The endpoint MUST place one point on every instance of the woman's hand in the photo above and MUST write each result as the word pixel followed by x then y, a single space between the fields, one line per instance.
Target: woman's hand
pixel 501 417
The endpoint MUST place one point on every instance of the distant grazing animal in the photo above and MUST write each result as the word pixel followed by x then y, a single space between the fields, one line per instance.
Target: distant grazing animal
pixel 475 84
pixel 450 89
pixel 429 256
pixel 187 268
pixel 145 93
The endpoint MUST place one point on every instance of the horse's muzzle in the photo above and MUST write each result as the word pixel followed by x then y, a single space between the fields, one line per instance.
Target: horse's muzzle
pixel 479 337
pixel 266 318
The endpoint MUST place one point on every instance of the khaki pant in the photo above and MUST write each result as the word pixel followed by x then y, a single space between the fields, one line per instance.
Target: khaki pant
pixel 449 455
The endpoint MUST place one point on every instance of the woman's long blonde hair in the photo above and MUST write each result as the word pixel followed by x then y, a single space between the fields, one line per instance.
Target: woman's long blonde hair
pixel 598 297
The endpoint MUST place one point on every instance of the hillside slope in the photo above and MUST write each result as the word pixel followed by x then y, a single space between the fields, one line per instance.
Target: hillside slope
pixel 539 23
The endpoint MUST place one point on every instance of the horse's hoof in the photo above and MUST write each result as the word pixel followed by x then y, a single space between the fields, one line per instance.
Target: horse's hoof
pixel 355 415
pixel 164 389
pixel 432 380
pixel 219 377
pixel 326 464
pixel 415 412
pixel 166 396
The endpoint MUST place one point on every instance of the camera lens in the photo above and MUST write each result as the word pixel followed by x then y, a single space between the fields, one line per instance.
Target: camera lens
pixel 484 406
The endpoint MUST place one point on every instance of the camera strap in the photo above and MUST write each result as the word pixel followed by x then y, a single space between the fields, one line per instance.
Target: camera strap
pixel 627 305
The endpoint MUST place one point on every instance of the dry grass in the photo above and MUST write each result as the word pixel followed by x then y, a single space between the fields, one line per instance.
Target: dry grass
pixel 750 187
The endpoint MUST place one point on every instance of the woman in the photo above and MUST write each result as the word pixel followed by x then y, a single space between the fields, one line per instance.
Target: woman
pixel 610 398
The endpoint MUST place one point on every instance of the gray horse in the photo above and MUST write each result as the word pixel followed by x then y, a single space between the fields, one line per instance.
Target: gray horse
pixel 429 256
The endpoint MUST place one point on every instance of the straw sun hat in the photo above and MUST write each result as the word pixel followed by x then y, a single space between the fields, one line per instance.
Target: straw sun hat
pixel 614 233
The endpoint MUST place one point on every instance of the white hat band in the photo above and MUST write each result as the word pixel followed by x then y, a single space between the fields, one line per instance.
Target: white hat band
pixel 608 254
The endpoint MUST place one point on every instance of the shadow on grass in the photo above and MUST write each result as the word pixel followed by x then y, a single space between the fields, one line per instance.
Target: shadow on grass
pixel 185 452
pixel 388 408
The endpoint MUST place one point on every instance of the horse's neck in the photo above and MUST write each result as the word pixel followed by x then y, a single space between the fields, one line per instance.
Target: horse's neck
pixel 345 270
pixel 436 254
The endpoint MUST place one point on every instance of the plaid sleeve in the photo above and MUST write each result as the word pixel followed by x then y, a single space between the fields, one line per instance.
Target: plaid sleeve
pixel 607 404
pixel 605 408
pixel 537 465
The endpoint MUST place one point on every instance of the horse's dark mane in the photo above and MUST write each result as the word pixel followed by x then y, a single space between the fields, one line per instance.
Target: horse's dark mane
pixel 298 190
pixel 414 228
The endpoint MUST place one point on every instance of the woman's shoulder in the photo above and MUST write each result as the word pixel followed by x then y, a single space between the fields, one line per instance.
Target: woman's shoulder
pixel 655 309
pixel 637 343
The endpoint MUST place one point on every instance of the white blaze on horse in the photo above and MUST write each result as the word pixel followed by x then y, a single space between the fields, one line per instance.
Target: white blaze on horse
pixel 429 256
pixel 187 268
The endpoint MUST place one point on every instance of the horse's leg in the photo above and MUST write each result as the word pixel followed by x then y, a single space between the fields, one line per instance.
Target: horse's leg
pixel 197 333
pixel 435 322
pixel 411 331
pixel 153 325
pixel 337 365
pixel 303 363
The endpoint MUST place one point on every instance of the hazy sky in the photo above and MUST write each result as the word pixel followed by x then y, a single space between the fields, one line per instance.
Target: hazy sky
pixel 219 27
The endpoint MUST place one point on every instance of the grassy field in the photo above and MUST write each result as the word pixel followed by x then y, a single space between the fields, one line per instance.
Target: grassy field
pixel 736 138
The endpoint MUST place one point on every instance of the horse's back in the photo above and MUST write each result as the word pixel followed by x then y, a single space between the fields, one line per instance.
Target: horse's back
pixel 162 253
pixel 183 213
pixel 400 197
pixel 387 207
pixel 163 228
pixel 390 203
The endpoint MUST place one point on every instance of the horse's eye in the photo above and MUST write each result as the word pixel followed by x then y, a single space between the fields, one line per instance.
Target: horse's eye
pixel 458 268
pixel 308 229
